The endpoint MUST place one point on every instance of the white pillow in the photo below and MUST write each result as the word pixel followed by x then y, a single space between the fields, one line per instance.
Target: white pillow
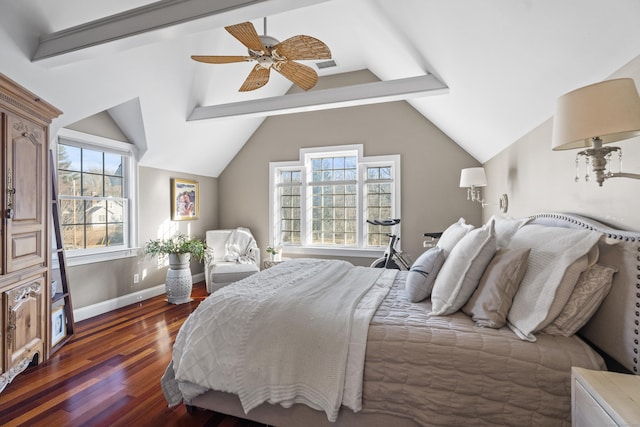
pixel 506 227
pixel 452 235
pixel 423 273
pixel 462 270
pixel 558 256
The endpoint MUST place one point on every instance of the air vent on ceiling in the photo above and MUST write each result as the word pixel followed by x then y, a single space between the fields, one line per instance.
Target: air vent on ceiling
pixel 326 64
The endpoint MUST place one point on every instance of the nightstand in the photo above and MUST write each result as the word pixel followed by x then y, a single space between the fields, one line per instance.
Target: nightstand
pixel 602 398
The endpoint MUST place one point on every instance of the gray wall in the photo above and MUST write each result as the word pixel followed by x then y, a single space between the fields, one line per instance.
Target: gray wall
pixel 430 161
pixel 540 180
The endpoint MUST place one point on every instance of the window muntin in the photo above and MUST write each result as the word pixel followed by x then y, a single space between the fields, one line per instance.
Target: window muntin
pixel 379 185
pixel 113 210
pixel 92 197
pixel 333 187
pixel 334 191
pixel 289 195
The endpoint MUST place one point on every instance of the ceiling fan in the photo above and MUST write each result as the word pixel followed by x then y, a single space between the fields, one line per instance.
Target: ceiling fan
pixel 269 54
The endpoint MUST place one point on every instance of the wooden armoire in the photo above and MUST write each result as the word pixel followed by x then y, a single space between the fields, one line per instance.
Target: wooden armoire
pixel 25 314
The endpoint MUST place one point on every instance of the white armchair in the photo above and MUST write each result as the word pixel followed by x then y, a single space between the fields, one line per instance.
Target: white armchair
pixel 230 257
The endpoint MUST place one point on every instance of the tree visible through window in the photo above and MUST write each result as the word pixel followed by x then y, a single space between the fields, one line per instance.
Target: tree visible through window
pixel 92 197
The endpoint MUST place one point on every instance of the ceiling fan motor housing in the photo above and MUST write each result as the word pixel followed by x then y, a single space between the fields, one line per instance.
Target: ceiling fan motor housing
pixel 269 41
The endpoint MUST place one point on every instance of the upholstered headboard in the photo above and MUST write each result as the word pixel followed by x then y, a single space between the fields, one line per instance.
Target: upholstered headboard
pixel 614 329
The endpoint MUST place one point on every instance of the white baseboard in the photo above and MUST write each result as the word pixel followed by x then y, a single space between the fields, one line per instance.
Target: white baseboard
pixel 102 307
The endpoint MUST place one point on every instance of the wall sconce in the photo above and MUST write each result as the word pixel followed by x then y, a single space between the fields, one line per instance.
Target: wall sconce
pixel 473 179
pixel 595 115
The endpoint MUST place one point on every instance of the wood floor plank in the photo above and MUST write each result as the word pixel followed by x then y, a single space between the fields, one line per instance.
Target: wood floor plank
pixel 109 374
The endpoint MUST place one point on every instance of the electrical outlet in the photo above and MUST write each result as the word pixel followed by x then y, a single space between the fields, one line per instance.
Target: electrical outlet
pixel 136 278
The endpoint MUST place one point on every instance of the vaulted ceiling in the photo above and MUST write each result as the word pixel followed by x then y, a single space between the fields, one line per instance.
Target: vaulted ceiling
pixel 504 62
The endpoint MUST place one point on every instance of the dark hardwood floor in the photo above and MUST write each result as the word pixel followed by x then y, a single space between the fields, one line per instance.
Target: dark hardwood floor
pixel 109 374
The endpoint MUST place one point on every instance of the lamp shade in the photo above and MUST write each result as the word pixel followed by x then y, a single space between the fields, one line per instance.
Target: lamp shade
pixel 609 110
pixel 473 177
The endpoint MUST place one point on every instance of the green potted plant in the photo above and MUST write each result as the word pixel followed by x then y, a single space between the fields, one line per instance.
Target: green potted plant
pixel 178 244
pixel 274 251
pixel 180 248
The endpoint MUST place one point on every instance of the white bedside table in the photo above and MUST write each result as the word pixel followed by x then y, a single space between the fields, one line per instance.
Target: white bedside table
pixel 601 398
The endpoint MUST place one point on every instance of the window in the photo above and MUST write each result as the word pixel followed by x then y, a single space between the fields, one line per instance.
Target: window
pixel 320 204
pixel 95 193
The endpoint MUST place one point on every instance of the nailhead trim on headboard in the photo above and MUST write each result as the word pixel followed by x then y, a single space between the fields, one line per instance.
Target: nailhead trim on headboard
pixel 611 233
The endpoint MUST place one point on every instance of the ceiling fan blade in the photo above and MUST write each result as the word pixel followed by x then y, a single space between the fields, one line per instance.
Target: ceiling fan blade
pixel 299 74
pixel 218 59
pixel 257 78
pixel 247 35
pixel 303 47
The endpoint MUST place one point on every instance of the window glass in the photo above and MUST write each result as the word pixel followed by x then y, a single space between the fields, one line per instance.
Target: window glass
pixel 92 197
pixel 330 207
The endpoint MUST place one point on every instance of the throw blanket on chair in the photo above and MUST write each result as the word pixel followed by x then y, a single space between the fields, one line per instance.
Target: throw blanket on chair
pixel 239 246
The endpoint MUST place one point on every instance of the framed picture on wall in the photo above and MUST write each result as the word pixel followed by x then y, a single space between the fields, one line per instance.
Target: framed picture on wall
pixel 58 326
pixel 185 199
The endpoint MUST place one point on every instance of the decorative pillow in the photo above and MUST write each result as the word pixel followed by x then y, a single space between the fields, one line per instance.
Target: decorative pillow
pixel 591 289
pixel 452 235
pixel 462 270
pixel 568 284
pixel 506 227
pixel 423 273
pixel 553 251
pixel 490 303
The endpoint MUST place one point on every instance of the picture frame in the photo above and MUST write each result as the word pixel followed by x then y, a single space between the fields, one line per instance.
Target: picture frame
pixel 185 199
pixel 58 325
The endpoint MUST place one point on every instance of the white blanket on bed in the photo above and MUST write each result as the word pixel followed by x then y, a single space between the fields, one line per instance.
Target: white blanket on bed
pixel 234 341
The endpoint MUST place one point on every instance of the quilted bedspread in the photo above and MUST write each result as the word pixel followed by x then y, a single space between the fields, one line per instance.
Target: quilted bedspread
pixel 445 371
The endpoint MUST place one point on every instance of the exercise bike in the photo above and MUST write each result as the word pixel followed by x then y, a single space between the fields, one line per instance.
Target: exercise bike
pixel 392 258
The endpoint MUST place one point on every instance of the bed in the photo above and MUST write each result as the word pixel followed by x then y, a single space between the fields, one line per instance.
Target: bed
pixel 432 362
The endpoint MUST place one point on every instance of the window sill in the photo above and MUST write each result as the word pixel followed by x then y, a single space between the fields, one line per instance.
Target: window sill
pixel 73 260
pixel 343 252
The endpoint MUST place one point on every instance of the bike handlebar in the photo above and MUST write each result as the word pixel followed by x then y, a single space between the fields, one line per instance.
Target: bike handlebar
pixel 433 235
pixel 384 222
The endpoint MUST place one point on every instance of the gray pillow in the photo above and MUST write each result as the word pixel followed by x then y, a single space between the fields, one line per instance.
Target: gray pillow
pixel 491 301
pixel 423 273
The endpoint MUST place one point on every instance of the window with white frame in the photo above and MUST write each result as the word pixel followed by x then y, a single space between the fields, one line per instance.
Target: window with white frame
pixel 96 193
pixel 320 203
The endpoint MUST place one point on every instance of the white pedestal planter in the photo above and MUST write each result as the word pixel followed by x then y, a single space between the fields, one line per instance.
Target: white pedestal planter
pixel 178 282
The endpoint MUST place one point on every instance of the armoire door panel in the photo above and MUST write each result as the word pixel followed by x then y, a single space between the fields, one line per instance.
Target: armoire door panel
pixel 25 249
pixel 25 321
pixel 25 194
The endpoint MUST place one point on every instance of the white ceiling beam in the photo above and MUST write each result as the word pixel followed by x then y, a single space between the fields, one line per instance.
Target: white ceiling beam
pixel 348 96
pixel 158 16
